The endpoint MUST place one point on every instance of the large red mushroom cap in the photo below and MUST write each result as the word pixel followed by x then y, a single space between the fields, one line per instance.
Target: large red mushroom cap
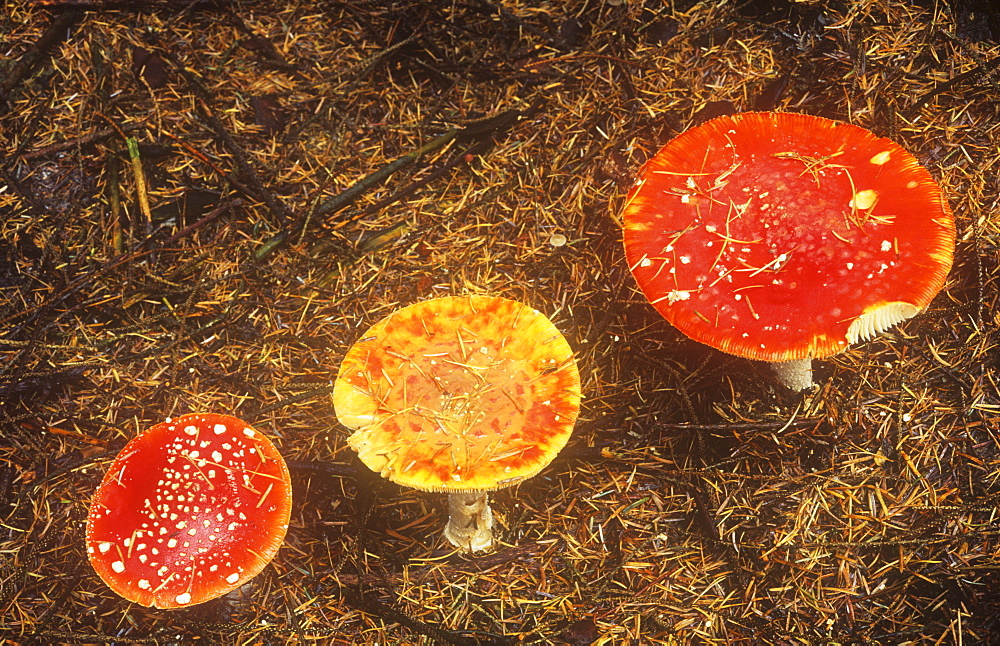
pixel 459 394
pixel 189 510
pixel 779 236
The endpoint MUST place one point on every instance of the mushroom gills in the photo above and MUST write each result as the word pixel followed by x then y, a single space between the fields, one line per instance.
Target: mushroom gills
pixel 879 318
pixel 470 521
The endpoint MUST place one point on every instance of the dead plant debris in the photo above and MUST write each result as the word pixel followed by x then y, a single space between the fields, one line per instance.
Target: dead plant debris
pixel 203 204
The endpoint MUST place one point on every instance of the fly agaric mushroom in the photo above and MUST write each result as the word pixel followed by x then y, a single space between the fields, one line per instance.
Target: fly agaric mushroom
pixel 460 395
pixel 189 510
pixel 783 237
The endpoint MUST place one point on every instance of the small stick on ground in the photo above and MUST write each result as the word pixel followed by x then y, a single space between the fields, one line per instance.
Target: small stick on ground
pixel 27 63
pixel 77 142
pixel 276 206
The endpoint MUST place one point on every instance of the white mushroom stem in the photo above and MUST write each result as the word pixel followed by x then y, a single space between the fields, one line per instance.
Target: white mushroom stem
pixel 796 374
pixel 470 521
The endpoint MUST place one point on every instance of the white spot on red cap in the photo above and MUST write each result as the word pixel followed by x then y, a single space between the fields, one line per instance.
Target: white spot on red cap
pixel 881 158
pixel 678 295
pixel 864 199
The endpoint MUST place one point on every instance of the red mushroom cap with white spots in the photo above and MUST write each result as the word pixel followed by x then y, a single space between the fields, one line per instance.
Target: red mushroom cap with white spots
pixel 189 510
pixel 779 236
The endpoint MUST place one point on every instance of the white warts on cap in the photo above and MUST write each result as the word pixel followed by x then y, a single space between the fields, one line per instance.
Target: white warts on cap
pixel 864 199
pixel 879 159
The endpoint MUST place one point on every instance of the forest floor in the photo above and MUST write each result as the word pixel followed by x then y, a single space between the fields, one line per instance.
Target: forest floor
pixel 299 170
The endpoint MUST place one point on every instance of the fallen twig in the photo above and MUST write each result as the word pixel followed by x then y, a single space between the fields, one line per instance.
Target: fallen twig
pixel 277 207
pixel 486 127
pixel 26 64
pixel 85 140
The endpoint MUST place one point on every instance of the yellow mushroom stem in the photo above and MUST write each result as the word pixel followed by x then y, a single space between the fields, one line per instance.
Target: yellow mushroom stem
pixel 470 521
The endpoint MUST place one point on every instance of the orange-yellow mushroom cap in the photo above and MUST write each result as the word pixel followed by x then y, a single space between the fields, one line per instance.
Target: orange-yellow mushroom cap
pixel 456 394
pixel 189 510
pixel 780 236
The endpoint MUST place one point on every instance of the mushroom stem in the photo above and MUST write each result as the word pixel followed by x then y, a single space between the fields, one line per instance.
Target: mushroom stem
pixel 796 374
pixel 470 521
